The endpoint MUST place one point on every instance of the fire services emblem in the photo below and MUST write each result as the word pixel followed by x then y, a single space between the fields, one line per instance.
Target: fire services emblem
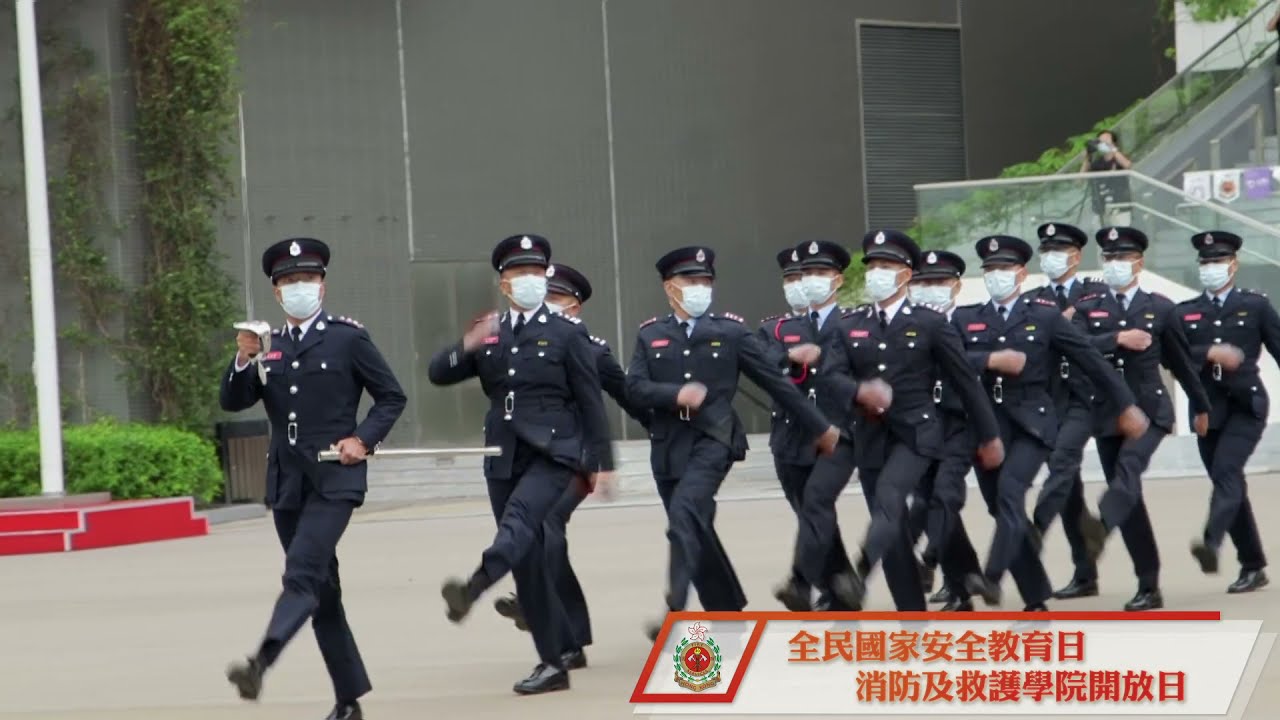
pixel 697 660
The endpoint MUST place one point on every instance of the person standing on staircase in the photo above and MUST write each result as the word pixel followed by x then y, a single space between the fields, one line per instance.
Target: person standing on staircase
pixel 1228 326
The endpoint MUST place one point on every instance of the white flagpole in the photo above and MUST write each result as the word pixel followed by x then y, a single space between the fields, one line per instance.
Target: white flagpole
pixel 48 401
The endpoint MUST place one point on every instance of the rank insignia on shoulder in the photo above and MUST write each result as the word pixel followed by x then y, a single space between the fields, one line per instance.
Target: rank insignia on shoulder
pixel 1090 296
pixel 346 321
pixel 649 322
pixel 771 318
pixel 599 341
pixel 570 318
pixel 731 316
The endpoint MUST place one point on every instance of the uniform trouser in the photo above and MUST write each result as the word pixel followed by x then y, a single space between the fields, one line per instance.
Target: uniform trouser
pixel 1224 452
pixel 820 554
pixel 1005 491
pixel 312 590
pixel 1121 505
pixel 521 504
pixel 792 478
pixel 889 536
pixel 696 555
pixel 937 514
pixel 1063 491
pixel 576 625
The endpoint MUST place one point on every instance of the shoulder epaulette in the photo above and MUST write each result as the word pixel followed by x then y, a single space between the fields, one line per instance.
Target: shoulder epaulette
pixel 1162 297
pixel 599 341
pixel 1090 296
pixel 1092 281
pixel 275 331
pixel 649 322
pixel 1033 291
pixel 731 316
pixel 568 318
pixel 854 310
pixel 771 318
pixel 970 306
pixel 1251 291
pixel 345 320
pixel 1192 299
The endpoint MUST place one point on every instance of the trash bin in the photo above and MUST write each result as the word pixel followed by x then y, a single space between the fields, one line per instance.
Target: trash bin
pixel 243 446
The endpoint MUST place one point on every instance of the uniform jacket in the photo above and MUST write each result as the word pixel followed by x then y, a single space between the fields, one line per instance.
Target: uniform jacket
pixel 916 349
pixel 311 396
pixel 719 350
pixel 1037 328
pixel 1102 319
pixel 1247 320
pixel 1069 385
pixel 613 380
pixel 788 440
pixel 543 389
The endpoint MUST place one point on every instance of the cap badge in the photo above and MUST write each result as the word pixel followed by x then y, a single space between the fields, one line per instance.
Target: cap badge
pixel 1113 235
pixel 813 248
pixel 880 238
pixel 701 256
pixel 1208 239
pixel 795 256
pixel 551 271
pixel 994 245
pixel 295 249
pixel 932 259
pixel 526 243
pixel 1051 230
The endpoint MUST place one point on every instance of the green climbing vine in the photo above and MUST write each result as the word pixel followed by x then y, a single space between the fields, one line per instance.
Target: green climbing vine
pixel 184 63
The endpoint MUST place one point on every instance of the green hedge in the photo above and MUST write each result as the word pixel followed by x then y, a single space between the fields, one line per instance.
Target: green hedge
pixel 128 461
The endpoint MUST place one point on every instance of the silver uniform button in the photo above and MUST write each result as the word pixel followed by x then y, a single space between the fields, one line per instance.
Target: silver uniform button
pixel 515 350
pixel 293 416
pixel 686 351
pixel 295 364
pixel 881 367
pixel 883 346
pixel 293 389
pixel 511 371
pixel 324 366
pixel 688 375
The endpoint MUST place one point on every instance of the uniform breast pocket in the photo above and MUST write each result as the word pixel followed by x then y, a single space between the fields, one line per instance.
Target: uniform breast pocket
pixel 1099 322
pixel 978 339
pixel 313 368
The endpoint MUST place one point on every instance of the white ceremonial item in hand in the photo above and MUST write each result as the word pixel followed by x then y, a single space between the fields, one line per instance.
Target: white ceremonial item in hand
pixel 263 331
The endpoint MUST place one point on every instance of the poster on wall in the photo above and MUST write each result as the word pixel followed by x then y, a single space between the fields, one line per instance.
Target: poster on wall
pixel 1257 183
pixel 1226 185
pixel 1198 184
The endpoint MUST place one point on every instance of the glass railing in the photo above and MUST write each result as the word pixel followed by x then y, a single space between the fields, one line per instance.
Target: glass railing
pixel 1176 102
pixel 955 215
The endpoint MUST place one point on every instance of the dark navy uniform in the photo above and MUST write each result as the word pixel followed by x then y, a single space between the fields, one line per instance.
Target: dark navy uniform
pixel 1063 490
pixel 816 481
pixel 1024 408
pixel 693 450
pixel 909 347
pixel 1103 317
pixel 576 627
pixel 1247 320
pixel 317 372
pixel 792 454
pixel 937 503
pixel 539 371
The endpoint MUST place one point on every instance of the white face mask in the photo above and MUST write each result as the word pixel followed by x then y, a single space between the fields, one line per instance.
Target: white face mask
pixel 528 291
pixel 1215 276
pixel 1055 264
pixel 1117 273
pixel 555 307
pixel 935 296
pixel 817 288
pixel 797 300
pixel 300 300
pixel 1000 283
pixel 882 283
pixel 695 299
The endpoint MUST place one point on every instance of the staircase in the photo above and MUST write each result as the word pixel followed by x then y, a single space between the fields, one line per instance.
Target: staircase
pixel 38 525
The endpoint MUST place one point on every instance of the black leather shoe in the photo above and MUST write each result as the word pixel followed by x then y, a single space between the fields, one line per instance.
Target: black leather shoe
pixel 1077 589
pixel 1248 581
pixel 944 596
pixel 1145 600
pixel 1206 556
pixel 346 711
pixel 247 677
pixel 651 630
pixel 981 586
pixel 849 589
pixel 509 607
pixel 544 679
pixel 574 659
pixel 1094 533
pixel 457 599
pixel 957 604
pixel 792 598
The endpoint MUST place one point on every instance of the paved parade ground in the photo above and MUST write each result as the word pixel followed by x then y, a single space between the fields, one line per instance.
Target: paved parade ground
pixel 145 632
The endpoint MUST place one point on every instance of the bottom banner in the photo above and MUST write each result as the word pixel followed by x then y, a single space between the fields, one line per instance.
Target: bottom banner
pixel 1055 663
